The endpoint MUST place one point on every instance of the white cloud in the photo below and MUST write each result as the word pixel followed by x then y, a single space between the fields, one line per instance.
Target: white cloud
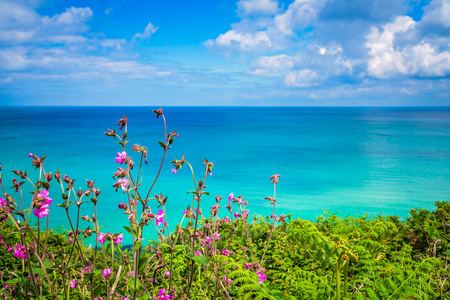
pixel 389 59
pixel 149 30
pixel 437 12
pixel 258 6
pixel 271 65
pixel 71 16
pixel 242 41
pixel 299 15
pixel 302 78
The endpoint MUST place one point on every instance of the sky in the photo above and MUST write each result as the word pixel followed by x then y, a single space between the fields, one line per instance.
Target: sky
pixel 221 53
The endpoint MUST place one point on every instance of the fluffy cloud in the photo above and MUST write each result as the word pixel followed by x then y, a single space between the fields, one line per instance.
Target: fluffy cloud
pixel 149 30
pixel 390 58
pixel 242 41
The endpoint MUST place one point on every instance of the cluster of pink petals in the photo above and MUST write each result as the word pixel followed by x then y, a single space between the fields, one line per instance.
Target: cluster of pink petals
pixel 217 236
pixel 227 280
pixel 225 252
pixel 121 157
pixel 73 283
pixel 121 183
pixel 208 240
pixel 160 217
pixel 119 239
pixel 198 253
pixel 261 277
pixel 167 273
pixel 43 210
pixel 107 273
pixel 162 295
pixel 99 298
pixel 101 238
pixel 19 252
pixel 174 170
pixel 2 200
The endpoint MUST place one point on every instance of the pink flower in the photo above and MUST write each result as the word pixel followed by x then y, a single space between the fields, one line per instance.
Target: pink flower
pixel 227 219
pixel 99 298
pixel 246 213
pixel 30 154
pixel 107 273
pixel 160 217
pixel 72 284
pixel 87 269
pixel 236 215
pixel 70 240
pixel 2 200
pixel 208 240
pixel 9 248
pixel 121 183
pixel 132 273
pixel 261 277
pixel 167 273
pixel 101 238
pixel 247 266
pixel 225 252
pixel 174 171
pixel 121 157
pixel 19 252
pixel 119 239
pixel 44 194
pixel 210 174
pixel 230 196
pixel 198 253
pixel 217 236
pixel 42 211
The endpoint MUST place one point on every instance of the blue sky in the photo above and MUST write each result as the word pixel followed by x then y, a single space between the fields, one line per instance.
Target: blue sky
pixel 246 52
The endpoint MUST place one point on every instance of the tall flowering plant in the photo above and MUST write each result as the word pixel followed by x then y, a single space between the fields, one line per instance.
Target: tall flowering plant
pixel 187 261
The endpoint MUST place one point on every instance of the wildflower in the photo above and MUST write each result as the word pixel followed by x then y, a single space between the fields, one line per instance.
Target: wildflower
pixel 230 196
pixel 19 252
pixel 225 252
pixel 119 239
pixel 236 215
pixel 121 183
pixel 42 211
pixel 227 219
pixel 261 277
pixel 174 171
pixel 122 122
pixel 107 273
pixel 217 236
pixel 160 217
pixel 101 238
pixel 208 240
pixel 99 298
pixel 2 200
pixel 198 253
pixel 87 269
pixel 70 240
pixel 72 283
pixel 246 213
pixel 274 178
pixel 132 273
pixel 123 206
pixel 121 157
pixel 167 273
pixel 44 194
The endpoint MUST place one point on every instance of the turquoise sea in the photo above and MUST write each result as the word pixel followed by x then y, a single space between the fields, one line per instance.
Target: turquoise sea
pixel 347 160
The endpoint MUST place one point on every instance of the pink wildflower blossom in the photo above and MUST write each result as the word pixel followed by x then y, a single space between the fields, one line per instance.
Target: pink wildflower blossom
pixel 2 200
pixel 217 236
pixel 72 284
pixel 121 157
pixel 107 273
pixel 160 217
pixel 121 183
pixel 87 269
pixel 119 239
pixel 174 171
pixel 230 196
pixel 198 253
pixel 208 240
pixel 44 194
pixel 227 219
pixel 167 273
pixel 19 252
pixel 225 252
pixel 236 215
pixel 42 211
pixel 261 277
pixel 101 238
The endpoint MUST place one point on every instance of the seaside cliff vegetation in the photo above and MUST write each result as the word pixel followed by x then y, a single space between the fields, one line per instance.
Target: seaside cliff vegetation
pixel 226 255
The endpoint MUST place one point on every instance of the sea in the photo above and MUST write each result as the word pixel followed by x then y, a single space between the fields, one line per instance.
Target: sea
pixel 343 160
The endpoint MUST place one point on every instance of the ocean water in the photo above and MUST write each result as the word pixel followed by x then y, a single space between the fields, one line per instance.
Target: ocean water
pixel 347 160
